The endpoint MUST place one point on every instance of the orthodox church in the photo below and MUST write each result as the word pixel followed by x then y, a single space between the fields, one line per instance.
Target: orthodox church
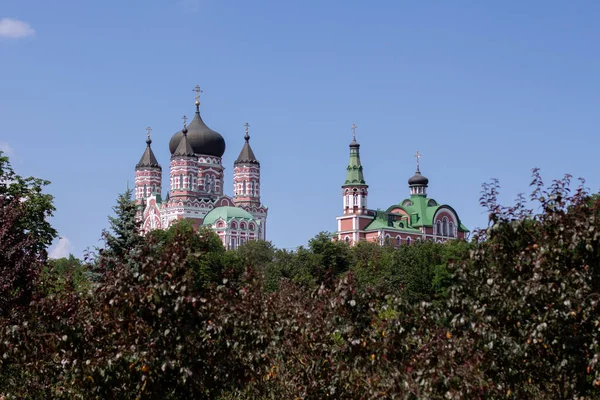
pixel 196 185
pixel 417 217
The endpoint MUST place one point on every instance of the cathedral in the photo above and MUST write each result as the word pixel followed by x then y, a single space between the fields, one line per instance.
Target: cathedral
pixel 417 217
pixel 196 185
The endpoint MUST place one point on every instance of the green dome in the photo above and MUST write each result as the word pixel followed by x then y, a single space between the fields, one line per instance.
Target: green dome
pixel 226 213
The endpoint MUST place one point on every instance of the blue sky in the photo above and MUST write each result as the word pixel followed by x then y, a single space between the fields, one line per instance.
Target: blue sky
pixel 482 89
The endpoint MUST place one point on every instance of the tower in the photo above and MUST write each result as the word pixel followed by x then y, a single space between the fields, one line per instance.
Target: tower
pixel 354 195
pixel 209 147
pixel 148 174
pixel 246 184
pixel 184 173
pixel 246 176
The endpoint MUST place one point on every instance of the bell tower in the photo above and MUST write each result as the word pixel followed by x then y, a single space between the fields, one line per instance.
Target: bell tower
pixel 148 174
pixel 246 184
pixel 354 197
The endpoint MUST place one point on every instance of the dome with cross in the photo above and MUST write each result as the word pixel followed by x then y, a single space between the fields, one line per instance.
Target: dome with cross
pixel 202 139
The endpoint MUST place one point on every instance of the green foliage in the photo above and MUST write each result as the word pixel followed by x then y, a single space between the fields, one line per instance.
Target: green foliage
pixel 24 234
pixel 124 234
pixel 514 314
pixel 65 274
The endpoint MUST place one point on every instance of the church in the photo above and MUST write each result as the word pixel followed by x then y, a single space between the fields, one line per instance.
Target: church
pixel 417 217
pixel 196 177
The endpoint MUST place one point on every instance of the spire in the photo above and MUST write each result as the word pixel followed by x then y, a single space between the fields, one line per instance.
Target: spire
pixel 354 174
pixel 184 149
pixel 148 159
pixel 246 155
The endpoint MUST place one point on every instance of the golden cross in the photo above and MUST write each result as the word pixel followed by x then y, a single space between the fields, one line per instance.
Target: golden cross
pixel 417 156
pixel 354 130
pixel 198 91
pixel 149 130
pixel 184 120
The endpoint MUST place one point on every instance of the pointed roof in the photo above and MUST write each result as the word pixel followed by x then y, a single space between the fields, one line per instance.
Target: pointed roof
pixel 246 155
pixel 184 149
pixel 354 170
pixel 148 159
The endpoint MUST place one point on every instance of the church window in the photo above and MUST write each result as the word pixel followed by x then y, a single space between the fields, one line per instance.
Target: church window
pixel 451 228
pixel 145 191
pixel 232 243
pixel 445 226
pixel 242 241
pixel 438 228
pixel 180 181
pixel 408 240
pixel 244 187
pixel 242 225
pixel 233 225
pixel 347 239
pixel 251 227
pixel 398 240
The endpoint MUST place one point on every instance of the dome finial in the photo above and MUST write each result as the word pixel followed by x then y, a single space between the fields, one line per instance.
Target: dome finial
pixel 198 91
pixel 354 131
pixel 247 135
pixel 418 156
pixel 184 130
pixel 148 140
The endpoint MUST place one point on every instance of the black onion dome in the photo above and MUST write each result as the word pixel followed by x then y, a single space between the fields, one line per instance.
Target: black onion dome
pixel 418 179
pixel 202 139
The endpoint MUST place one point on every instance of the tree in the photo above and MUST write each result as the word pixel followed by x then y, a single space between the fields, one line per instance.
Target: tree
pixel 65 273
pixel 25 233
pixel 124 234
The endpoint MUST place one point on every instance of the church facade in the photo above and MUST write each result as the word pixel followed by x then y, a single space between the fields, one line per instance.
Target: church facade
pixel 196 188
pixel 415 218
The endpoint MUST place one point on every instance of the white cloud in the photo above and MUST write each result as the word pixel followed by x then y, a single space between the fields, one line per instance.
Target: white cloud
pixel 61 249
pixel 5 148
pixel 15 29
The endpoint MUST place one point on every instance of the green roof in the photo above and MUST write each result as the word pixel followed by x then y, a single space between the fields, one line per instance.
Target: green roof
pixel 354 171
pixel 422 209
pixel 226 213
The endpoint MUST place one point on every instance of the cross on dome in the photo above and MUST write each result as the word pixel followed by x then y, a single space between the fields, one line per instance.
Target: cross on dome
pixel 184 118
pixel 148 130
pixel 354 131
pixel 247 136
pixel 418 156
pixel 198 91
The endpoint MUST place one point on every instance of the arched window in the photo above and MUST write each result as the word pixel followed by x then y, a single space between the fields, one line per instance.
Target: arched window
pixel 347 239
pixel 242 241
pixel 233 225
pixel 355 198
pixel 242 226
pixel 398 240
pixel 251 227
pixel 438 228
pixel 232 243
pixel 244 187
pixel 180 181
pixel 451 228
pixel 445 226
pixel 408 240
pixel 145 191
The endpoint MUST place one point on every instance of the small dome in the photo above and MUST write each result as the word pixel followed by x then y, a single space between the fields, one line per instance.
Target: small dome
pixel 418 179
pixel 226 213
pixel 202 139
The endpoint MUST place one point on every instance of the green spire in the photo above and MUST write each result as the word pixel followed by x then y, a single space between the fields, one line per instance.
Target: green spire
pixel 354 171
